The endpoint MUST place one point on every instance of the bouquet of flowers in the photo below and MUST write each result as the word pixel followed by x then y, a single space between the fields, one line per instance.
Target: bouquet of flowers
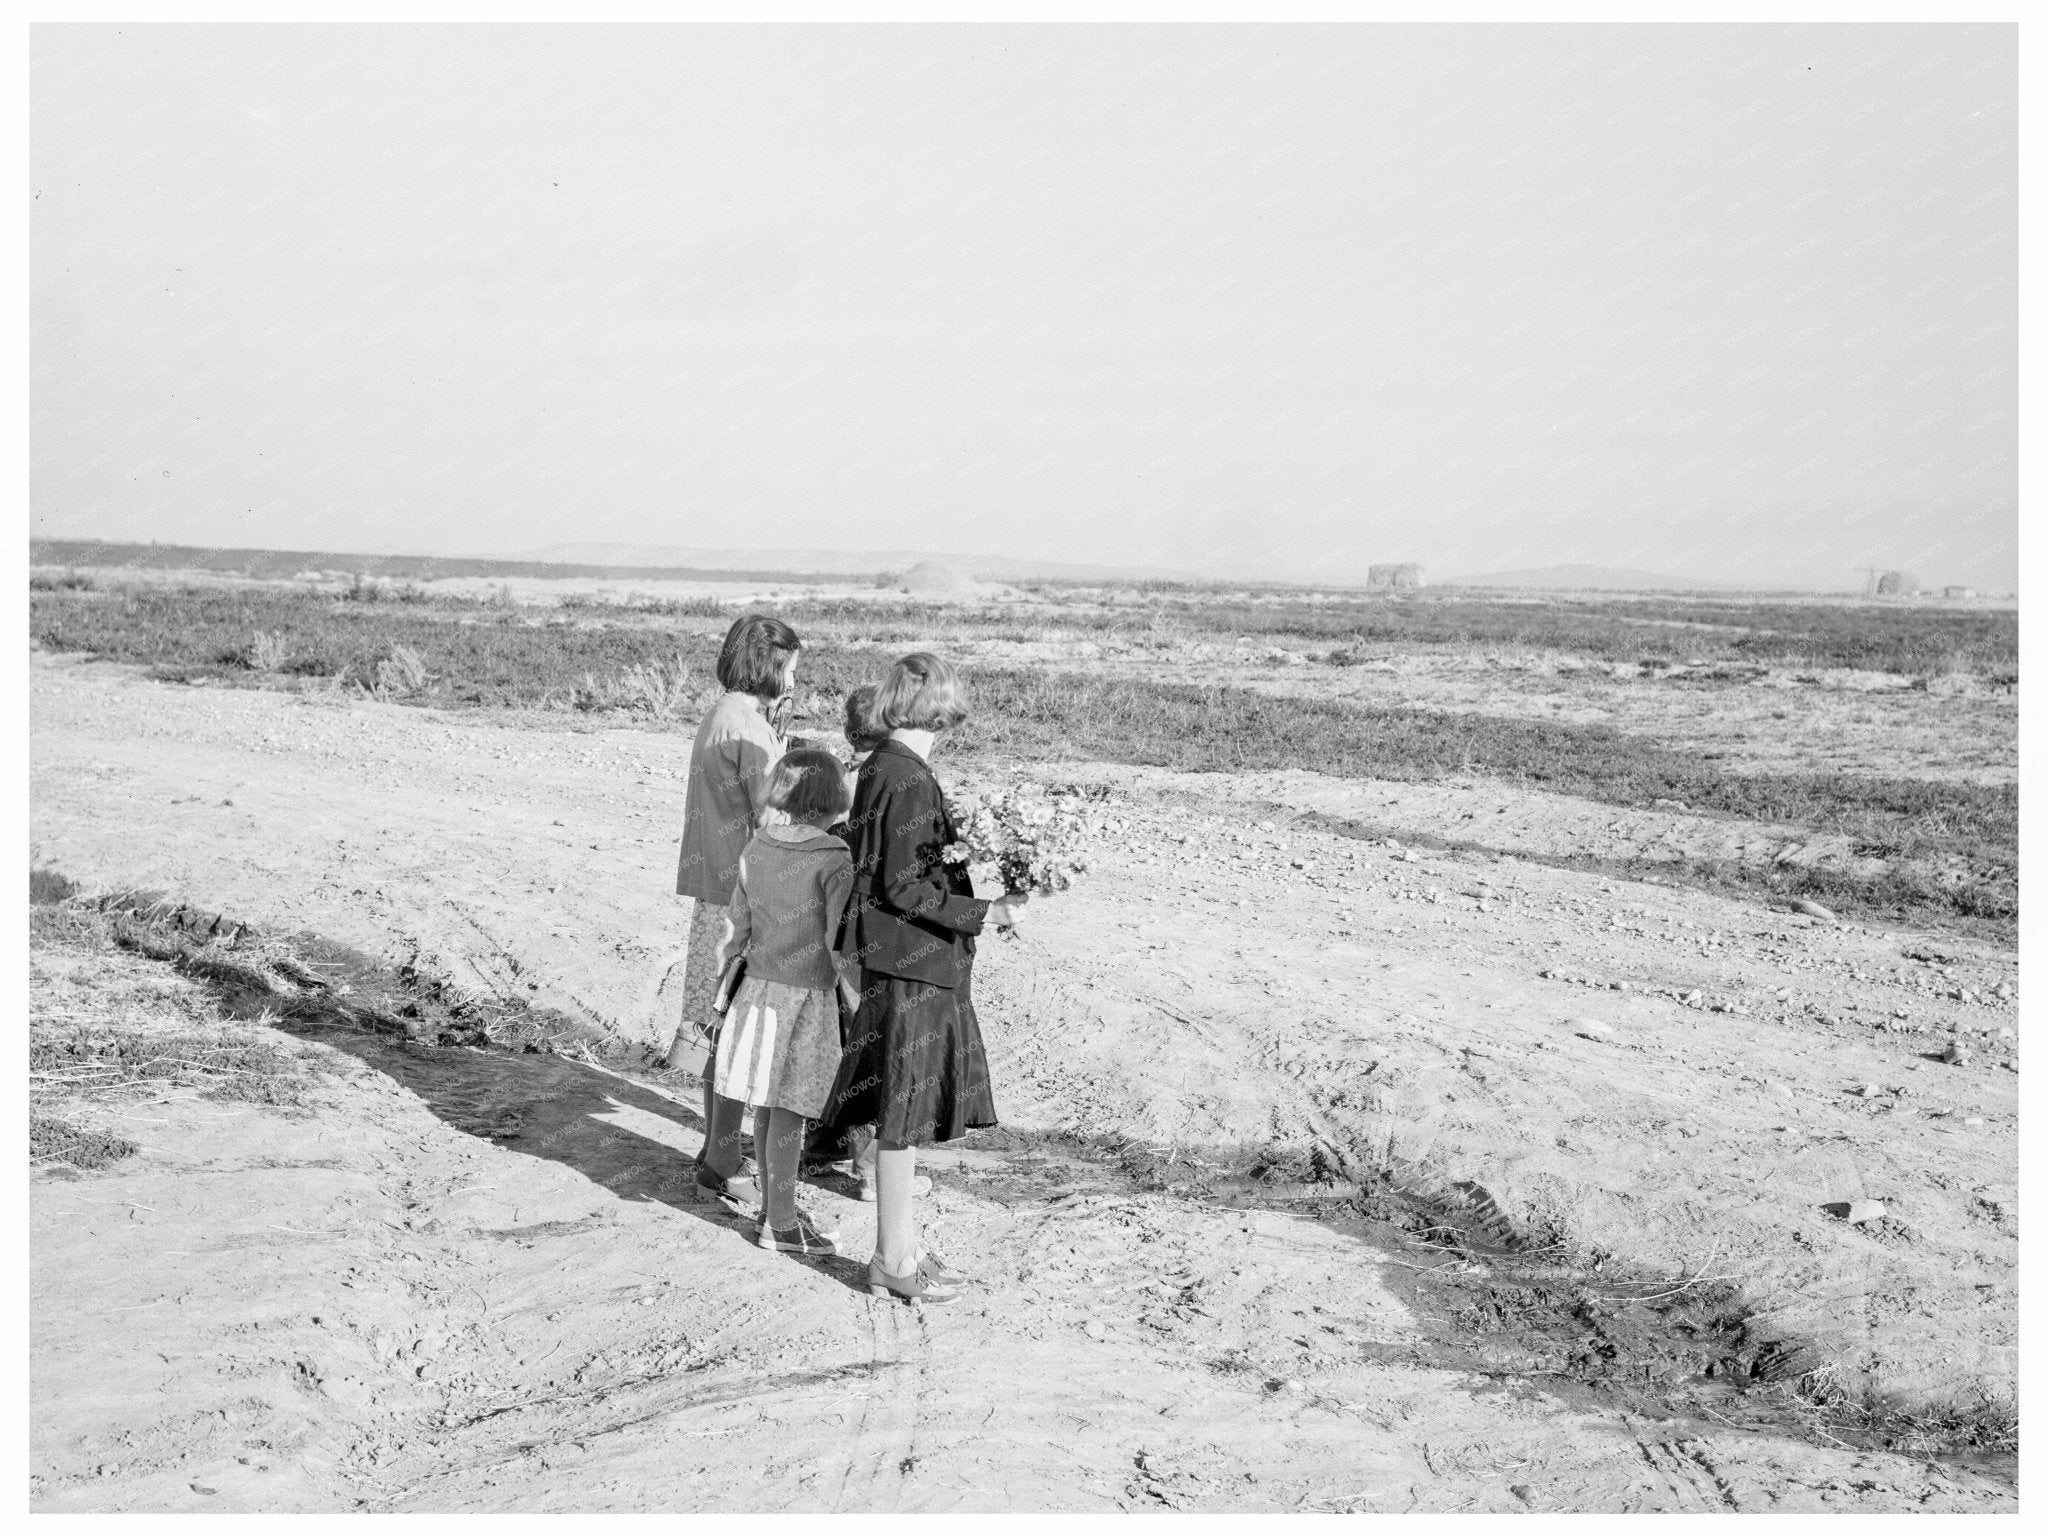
pixel 1024 839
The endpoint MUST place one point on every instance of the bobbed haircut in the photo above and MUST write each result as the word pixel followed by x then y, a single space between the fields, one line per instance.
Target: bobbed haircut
pixel 863 732
pixel 755 651
pixel 809 785
pixel 921 693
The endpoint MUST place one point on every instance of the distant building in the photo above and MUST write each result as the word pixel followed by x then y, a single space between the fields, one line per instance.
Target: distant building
pixel 1394 576
pixel 1958 591
pixel 1897 584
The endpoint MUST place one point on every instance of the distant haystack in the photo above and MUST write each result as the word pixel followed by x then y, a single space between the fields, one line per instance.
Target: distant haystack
pixel 931 579
pixel 1958 591
pixel 1394 576
pixel 1897 584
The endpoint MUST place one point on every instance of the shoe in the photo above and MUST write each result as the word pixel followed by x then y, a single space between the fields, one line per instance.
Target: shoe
pixel 801 1238
pixel 936 1268
pixel 838 1177
pixel 737 1194
pixel 919 1185
pixel 824 1229
pixel 915 1287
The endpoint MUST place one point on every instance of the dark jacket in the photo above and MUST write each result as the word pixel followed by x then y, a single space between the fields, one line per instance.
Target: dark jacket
pixel 912 915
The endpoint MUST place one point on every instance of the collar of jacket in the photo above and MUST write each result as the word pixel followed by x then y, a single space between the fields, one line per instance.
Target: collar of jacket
pixel 789 835
pixel 896 748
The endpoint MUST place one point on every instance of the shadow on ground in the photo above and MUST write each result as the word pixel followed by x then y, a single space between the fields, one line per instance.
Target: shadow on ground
pixel 1517 1308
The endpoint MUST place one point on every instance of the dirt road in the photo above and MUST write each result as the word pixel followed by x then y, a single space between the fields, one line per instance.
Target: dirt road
pixel 475 1280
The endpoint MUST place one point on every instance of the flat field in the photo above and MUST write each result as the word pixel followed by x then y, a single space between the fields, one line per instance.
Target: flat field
pixel 1434 1101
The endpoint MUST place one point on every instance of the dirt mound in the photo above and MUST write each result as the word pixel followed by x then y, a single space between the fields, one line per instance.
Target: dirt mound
pixel 930 578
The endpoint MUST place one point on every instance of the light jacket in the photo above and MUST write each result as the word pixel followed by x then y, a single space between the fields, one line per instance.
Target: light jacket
pixel 789 897
pixel 727 795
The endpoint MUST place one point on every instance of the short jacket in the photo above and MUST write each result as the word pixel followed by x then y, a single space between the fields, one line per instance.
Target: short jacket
pixel 912 915
pixel 787 904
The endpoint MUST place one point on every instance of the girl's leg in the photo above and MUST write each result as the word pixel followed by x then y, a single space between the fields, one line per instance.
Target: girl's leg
pixel 723 1119
pixel 864 1157
pixel 895 1207
pixel 779 1144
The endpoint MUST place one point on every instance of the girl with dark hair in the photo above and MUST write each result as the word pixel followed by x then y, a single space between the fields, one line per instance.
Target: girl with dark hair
pixel 730 764
pixel 914 1063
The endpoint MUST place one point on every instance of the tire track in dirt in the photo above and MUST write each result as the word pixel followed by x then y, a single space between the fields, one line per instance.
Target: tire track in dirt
pixel 1692 1461
pixel 884 1444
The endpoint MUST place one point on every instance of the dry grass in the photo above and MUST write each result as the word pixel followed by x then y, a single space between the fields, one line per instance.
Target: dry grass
pixel 46 886
pixel 1952 847
pixel 58 1143
pixel 44 579
pixel 82 1059
pixel 105 1029
pixel 662 689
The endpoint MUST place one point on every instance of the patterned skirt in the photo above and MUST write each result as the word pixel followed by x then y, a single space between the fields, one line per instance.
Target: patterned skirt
pixel 779 1048
pixel 914 1066
pixel 700 966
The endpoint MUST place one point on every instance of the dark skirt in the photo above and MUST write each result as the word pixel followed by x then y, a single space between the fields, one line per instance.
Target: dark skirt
pixel 914 1067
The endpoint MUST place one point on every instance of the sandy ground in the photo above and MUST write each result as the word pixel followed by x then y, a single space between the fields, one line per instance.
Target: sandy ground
pixel 451 1316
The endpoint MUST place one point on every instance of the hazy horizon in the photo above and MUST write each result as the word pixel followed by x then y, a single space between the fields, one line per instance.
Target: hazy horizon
pixel 1735 303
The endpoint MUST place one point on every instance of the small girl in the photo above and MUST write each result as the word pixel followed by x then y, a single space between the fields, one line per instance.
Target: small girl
pixel 863 735
pixel 778 1049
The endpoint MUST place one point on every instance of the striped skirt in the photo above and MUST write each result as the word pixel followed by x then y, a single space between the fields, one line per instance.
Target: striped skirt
pixel 779 1048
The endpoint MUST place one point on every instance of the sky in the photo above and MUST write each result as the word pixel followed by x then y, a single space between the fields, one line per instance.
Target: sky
pixel 1735 303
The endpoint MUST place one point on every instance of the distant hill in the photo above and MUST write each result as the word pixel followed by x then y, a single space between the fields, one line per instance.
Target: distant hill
pixel 845 562
pixel 278 563
pixel 1595 578
pixel 636 562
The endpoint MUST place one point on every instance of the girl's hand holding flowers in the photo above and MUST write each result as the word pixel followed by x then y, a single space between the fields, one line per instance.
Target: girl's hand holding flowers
pixel 1022 841
pixel 1005 912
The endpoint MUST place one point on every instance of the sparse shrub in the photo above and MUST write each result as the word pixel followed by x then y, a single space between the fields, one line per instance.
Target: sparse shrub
pixel 267 652
pixel 377 589
pixel 53 1142
pixel 60 581
pixel 684 607
pixel 47 887
pixel 229 1062
pixel 585 696
pixel 399 674
pixel 660 687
